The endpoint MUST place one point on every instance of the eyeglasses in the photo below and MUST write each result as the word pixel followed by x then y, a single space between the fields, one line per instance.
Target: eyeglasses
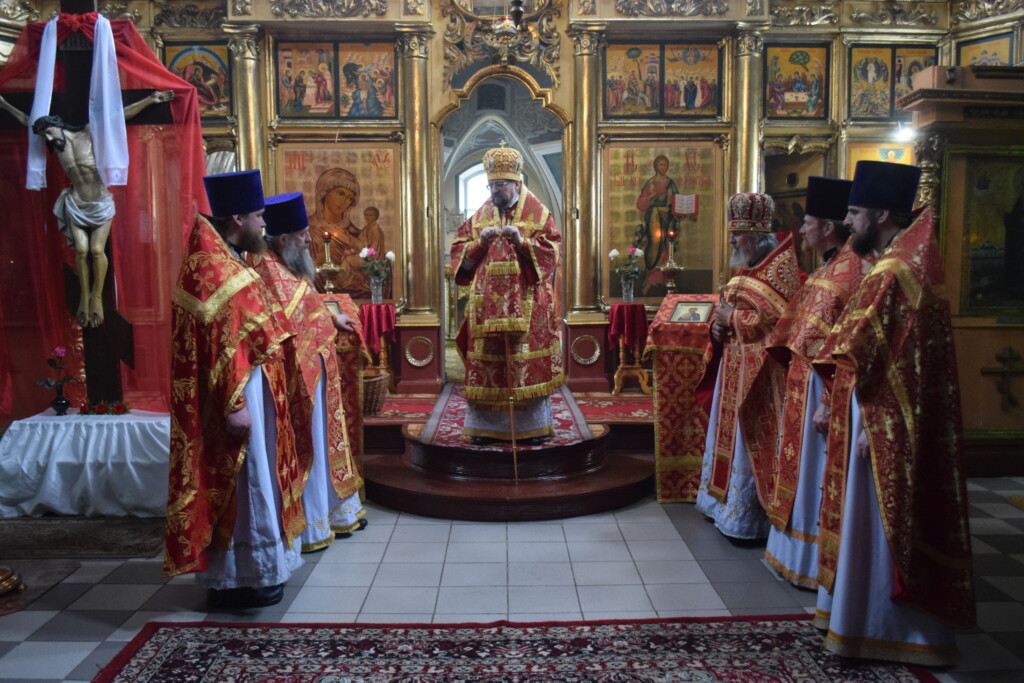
pixel 498 185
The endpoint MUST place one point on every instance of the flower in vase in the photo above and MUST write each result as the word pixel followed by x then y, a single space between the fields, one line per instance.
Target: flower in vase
pixel 630 269
pixel 377 267
pixel 56 362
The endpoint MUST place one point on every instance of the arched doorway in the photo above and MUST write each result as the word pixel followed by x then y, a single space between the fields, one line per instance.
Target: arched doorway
pixel 494 108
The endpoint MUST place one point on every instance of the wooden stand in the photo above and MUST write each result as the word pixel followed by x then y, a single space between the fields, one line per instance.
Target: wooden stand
pixel 627 369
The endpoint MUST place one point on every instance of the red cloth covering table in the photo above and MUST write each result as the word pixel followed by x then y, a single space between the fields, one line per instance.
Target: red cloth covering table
pixel 353 355
pixel 685 367
pixel 627 327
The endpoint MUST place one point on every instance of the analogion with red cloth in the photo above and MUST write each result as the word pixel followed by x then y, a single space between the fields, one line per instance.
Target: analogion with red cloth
pixel 685 366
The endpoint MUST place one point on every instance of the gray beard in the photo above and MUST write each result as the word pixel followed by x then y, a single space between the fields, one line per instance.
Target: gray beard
pixel 296 256
pixel 739 259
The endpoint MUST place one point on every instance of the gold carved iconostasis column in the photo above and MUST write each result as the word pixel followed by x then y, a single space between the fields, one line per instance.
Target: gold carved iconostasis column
pixel 747 99
pixel 243 41
pixel 583 219
pixel 420 324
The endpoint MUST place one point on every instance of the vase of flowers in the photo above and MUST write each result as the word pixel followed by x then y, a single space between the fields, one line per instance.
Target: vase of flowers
pixel 628 271
pixel 60 403
pixel 378 268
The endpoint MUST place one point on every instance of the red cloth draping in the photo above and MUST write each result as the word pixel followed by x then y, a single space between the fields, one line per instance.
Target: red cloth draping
pixel 685 367
pixel 153 219
pixel 628 321
pixel 377 320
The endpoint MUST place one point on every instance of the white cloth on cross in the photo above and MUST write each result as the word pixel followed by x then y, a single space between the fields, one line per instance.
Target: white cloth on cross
pixel 106 110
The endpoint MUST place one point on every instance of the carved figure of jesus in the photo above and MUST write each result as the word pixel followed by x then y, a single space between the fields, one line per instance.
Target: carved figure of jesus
pixel 86 209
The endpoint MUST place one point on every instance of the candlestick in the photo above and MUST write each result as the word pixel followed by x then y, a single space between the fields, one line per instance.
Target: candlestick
pixel 329 269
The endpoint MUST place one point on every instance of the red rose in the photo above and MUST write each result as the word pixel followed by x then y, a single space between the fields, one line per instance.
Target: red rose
pixel 119 409
pixel 101 408
pixel 84 409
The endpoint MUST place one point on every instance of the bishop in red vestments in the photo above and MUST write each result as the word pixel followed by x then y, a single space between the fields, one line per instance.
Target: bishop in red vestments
pixel 507 253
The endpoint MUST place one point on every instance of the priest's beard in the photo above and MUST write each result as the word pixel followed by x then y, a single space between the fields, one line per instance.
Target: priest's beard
pixel 863 243
pixel 251 242
pixel 296 256
pixel 740 258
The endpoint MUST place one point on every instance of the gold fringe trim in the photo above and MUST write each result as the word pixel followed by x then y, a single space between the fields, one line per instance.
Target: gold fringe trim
pixel 790 575
pixel 552 350
pixel 503 268
pixel 500 395
pixel 890 651
pixel 312 547
pixel 501 325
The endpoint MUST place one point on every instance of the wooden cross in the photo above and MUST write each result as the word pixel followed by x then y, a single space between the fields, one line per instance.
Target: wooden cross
pixel 1008 357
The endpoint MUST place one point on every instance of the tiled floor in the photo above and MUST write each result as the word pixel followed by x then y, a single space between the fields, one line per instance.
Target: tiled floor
pixel 648 560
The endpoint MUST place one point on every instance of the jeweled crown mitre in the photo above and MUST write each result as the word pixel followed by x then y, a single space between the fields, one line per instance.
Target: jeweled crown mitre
pixel 751 212
pixel 503 163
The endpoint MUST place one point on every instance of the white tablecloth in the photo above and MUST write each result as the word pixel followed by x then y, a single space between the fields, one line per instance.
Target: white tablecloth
pixel 86 465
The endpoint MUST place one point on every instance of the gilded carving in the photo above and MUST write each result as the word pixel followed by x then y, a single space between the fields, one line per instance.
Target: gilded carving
pixel 671 8
pixel 189 16
pixel 749 44
pixel 419 362
pixel 578 357
pixel 893 14
pixel 328 8
pixel 805 15
pixel 929 151
pixel 19 11
pixel 973 10
pixel 797 145
pixel 413 45
pixel 414 7
pixel 244 45
pixel 469 39
pixel 755 7
pixel 242 7
pixel 117 10
pixel 586 43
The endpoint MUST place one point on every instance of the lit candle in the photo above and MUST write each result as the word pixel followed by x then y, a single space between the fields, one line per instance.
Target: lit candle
pixel 671 233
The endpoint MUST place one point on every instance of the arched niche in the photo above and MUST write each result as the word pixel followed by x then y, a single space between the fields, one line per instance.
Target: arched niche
pixel 498 103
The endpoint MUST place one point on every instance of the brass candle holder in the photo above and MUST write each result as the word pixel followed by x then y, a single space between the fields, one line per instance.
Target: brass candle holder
pixel 329 269
pixel 670 268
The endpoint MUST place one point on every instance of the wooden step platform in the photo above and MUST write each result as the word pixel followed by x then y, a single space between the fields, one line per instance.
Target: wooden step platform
pixel 480 485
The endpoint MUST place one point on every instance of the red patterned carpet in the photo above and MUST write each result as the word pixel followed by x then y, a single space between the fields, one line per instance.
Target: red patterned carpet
pixel 769 649
pixel 597 408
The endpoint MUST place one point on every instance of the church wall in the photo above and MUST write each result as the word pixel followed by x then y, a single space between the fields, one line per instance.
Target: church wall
pixel 438 61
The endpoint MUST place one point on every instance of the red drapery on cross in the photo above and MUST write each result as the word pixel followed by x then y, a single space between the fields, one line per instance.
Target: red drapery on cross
pixel 154 213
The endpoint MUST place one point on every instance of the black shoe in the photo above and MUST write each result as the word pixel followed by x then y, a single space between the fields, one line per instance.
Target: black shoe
pixel 482 440
pixel 362 524
pixel 534 441
pixel 245 597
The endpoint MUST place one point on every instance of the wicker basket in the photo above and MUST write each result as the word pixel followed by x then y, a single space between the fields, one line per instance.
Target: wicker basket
pixel 375 391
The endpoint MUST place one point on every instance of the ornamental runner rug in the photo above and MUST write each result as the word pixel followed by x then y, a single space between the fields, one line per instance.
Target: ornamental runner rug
pixel 444 428
pixel 766 649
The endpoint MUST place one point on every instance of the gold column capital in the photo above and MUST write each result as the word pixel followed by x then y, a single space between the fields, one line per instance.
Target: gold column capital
pixel 243 40
pixel 749 39
pixel 413 40
pixel 587 37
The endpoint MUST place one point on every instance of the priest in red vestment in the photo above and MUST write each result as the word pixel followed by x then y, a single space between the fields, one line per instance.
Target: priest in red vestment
pixel 330 498
pixel 895 544
pixel 793 496
pixel 507 253
pixel 766 278
pixel 234 504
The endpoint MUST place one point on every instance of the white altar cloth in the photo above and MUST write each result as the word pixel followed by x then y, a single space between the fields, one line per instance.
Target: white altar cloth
pixel 90 465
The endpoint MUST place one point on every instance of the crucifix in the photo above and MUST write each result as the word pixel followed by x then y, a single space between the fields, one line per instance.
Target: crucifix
pixel 1008 357
pixel 86 209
